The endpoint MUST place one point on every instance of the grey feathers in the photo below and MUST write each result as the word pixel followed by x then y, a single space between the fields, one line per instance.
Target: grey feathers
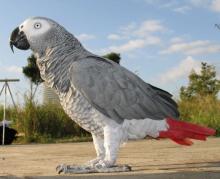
pixel 118 93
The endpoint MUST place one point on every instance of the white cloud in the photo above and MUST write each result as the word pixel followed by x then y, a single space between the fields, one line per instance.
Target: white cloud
pixel 173 5
pixel 200 3
pixel 132 30
pixel 215 5
pixel 182 70
pixel 128 29
pixel 151 1
pixel 12 69
pixel 152 40
pixel 84 37
pixel 182 9
pixel 133 45
pixel 176 39
pixel 184 6
pixel 192 48
pixel 114 37
pixel 149 26
pixel 130 45
pixel 137 36
pixel 162 3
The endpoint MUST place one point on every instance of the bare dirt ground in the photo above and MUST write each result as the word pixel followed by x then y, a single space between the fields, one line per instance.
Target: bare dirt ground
pixel 153 158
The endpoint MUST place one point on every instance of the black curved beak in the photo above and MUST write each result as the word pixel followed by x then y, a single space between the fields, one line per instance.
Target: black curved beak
pixel 19 40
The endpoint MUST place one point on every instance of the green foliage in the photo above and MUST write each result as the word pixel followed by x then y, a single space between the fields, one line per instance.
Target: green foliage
pixel 11 114
pixel 32 71
pixel 200 85
pixel 198 101
pixel 204 111
pixel 113 56
pixel 44 123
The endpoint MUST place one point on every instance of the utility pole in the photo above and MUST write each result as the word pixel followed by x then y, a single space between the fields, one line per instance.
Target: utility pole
pixel 6 88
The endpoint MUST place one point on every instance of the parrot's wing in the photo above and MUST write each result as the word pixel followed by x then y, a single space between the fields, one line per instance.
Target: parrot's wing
pixel 118 93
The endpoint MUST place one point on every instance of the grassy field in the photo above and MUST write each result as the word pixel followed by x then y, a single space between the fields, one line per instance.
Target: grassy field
pixel 44 124
pixel 50 124
pixel 204 111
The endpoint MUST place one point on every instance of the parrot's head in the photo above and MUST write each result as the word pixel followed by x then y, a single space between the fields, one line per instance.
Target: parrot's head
pixel 38 34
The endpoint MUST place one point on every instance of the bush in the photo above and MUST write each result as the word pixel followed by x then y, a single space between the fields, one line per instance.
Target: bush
pixel 54 121
pixel 204 111
pixel 43 123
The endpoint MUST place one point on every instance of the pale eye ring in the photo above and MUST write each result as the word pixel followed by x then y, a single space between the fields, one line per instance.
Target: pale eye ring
pixel 37 25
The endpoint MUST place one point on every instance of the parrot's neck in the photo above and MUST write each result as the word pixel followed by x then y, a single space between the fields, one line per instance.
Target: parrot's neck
pixel 54 65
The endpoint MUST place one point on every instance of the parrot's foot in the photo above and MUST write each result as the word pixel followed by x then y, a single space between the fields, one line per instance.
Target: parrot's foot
pixel 105 164
pixel 93 162
pixel 74 169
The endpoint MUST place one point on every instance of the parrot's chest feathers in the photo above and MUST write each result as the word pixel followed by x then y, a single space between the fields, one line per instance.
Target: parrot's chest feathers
pixel 79 109
pixel 54 73
pixel 75 105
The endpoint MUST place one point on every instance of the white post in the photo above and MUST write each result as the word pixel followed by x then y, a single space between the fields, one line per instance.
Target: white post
pixel 5 86
pixel 4 116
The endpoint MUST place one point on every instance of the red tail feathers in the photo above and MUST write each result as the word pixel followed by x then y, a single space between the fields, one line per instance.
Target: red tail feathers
pixel 181 132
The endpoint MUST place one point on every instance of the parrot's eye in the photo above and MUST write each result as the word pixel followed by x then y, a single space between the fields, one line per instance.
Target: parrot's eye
pixel 37 25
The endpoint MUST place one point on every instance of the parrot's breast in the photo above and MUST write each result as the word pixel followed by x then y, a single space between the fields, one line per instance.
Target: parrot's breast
pixel 73 103
pixel 79 110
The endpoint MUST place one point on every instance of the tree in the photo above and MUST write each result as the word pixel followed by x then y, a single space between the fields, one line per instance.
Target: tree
pixel 113 56
pixel 32 72
pixel 200 85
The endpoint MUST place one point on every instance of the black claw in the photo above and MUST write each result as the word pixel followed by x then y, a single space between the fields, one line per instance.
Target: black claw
pixel 59 169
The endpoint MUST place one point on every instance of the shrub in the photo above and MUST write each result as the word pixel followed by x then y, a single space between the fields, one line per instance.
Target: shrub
pixel 43 123
pixel 205 111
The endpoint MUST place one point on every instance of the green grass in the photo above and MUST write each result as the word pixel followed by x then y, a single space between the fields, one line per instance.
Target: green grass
pixel 204 111
pixel 44 124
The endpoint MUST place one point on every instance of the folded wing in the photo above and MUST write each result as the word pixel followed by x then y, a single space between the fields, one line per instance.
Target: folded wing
pixel 118 93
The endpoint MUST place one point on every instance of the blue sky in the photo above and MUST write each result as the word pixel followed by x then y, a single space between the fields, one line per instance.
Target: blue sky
pixel 160 40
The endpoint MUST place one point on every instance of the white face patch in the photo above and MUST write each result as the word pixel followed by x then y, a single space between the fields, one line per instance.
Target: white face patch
pixel 34 27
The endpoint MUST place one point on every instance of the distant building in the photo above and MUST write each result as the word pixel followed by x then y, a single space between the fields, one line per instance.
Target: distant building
pixel 49 96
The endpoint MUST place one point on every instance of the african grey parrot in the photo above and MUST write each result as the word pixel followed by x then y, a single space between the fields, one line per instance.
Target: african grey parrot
pixel 104 98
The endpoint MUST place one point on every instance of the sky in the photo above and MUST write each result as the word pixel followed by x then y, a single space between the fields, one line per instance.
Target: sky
pixel 160 40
